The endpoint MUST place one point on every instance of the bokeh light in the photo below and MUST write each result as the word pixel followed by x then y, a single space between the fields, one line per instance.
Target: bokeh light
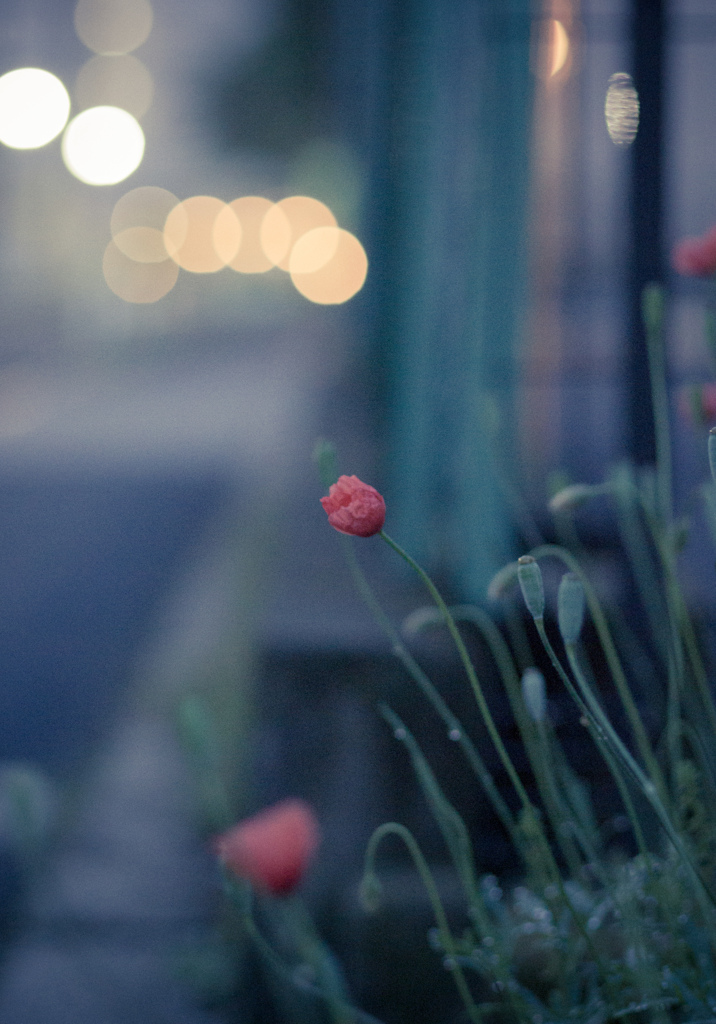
pixel 34 107
pixel 137 223
pixel 558 47
pixel 143 245
pixel 114 82
pixel 226 234
pixel 137 282
pixel 189 234
pixel 340 263
pixel 313 250
pixel 553 53
pixel 103 145
pixel 621 109
pixel 113 27
pixel 146 206
pixel 287 221
pixel 249 213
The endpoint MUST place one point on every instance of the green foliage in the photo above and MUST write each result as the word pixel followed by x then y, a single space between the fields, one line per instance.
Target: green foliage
pixel 595 934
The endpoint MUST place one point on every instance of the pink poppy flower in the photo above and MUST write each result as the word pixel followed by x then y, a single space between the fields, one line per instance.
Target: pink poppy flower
pixel 354 507
pixel 696 257
pixel 273 848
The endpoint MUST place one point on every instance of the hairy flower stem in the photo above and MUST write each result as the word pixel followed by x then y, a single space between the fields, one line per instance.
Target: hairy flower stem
pixel 497 740
pixel 426 686
pixel 683 624
pixel 446 938
pixel 341 1011
pixel 606 735
pixel 316 954
pixel 469 669
pixel 537 752
pixel 613 662
pixel 597 733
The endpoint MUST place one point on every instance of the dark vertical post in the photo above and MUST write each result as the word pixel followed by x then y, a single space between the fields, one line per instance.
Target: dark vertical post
pixel 646 208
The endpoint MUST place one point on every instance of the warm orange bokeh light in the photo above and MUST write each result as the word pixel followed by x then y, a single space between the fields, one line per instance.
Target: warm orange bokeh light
pixel 313 250
pixel 559 47
pixel 226 234
pixel 189 234
pixel 144 245
pixel 146 207
pixel 287 221
pixel 249 212
pixel 137 282
pixel 339 261
pixel 554 49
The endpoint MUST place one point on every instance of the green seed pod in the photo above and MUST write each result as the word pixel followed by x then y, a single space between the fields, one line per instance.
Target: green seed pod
pixel 534 694
pixel 570 607
pixel 530 577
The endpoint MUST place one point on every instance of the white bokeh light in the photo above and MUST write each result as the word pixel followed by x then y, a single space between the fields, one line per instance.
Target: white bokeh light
pixel 34 107
pixel 103 145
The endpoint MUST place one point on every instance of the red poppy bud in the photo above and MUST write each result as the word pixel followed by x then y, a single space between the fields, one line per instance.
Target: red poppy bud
pixel 273 848
pixel 696 257
pixel 354 507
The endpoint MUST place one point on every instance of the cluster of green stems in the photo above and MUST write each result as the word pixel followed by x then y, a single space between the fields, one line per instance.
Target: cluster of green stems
pixel 650 536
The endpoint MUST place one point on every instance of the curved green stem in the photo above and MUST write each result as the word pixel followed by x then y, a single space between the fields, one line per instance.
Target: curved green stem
pixel 605 733
pixel 469 669
pixel 341 1011
pixel 538 753
pixel 446 938
pixel 497 740
pixel 595 729
pixel 452 723
pixel 684 625
pixel 610 653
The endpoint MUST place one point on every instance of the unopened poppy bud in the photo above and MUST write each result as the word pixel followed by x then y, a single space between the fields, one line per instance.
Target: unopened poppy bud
pixel 530 577
pixel 273 848
pixel 696 257
pixel 354 508
pixel 712 452
pixel 570 607
pixel 534 694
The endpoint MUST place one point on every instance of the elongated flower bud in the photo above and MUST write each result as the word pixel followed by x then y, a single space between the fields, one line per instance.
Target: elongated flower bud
pixel 530 577
pixel 570 607
pixel 534 694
